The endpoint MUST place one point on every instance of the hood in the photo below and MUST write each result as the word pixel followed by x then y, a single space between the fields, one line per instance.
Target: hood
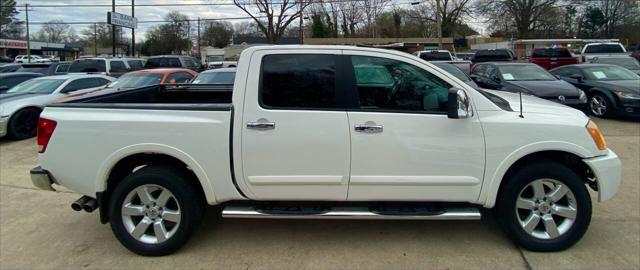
pixel 546 88
pixel 533 104
pixel 632 86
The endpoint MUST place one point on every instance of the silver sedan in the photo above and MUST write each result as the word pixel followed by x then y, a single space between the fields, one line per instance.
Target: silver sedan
pixel 20 107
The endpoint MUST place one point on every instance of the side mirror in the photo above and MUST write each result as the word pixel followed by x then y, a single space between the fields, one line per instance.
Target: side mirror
pixel 577 78
pixel 459 105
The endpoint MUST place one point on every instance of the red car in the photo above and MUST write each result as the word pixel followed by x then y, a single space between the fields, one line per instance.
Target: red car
pixel 141 78
pixel 550 58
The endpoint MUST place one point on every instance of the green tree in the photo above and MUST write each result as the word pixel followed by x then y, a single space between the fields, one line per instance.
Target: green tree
pixel 318 29
pixel 10 26
pixel 217 34
pixel 592 22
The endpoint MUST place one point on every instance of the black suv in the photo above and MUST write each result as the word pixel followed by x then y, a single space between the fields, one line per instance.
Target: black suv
pixel 174 61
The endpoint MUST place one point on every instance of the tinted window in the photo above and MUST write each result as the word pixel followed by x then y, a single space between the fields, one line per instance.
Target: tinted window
pixel 159 62
pixel 215 78
pixel 118 66
pixel 135 64
pixel 479 70
pixel 179 77
pixel 491 72
pixel 88 65
pixel 298 81
pixel 453 70
pixel 391 85
pixel 604 48
pixel 136 79
pixel 567 72
pixel 551 52
pixel 39 86
pixel 80 84
pixel 525 73
pixel 101 81
pixel 435 56
pixel 35 69
pixel 9 68
pixel 493 54
pixel 62 68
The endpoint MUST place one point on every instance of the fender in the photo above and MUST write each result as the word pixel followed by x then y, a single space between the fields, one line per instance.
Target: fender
pixel 493 179
pixel 608 94
pixel 113 159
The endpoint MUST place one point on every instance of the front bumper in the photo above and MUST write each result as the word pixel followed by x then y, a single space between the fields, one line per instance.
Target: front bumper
pixel 630 107
pixel 608 172
pixel 42 179
pixel 4 122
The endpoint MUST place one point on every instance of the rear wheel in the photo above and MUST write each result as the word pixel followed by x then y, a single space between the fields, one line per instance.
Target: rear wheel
pixel 599 105
pixel 544 207
pixel 24 123
pixel 155 210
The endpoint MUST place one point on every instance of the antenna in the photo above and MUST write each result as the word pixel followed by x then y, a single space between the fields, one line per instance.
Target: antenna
pixel 520 93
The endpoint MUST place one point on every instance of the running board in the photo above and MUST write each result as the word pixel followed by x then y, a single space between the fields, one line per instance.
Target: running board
pixel 359 213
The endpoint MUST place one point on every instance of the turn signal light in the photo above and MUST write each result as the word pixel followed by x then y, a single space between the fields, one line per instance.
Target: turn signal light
pixel 45 131
pixel 596 135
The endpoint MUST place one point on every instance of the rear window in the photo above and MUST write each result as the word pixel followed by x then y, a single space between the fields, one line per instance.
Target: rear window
pixel 135 64
pixel 555 52
pixel 435 56
pixel 161 62
pixel 492 54
pixel 604 48
pixel 88 65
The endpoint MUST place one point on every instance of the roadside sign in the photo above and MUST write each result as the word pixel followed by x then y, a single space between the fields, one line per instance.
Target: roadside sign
pixel 120 19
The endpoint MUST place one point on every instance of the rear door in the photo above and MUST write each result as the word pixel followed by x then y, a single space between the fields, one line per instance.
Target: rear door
pixel 295 137
pixel 403 145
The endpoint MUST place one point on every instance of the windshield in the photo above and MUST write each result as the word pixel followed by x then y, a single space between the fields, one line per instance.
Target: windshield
pixel 604 48
pixel 609 73
pixel 492 54
pixel 453 70
pixel 215 78
pixel 215 58
pixel 133 80
pixel 525 73
pixel 629 63
pixel 43 86
pixel 88 65
pixel 435 56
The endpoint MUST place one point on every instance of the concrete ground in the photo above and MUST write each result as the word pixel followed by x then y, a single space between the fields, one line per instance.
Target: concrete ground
pixel 39 230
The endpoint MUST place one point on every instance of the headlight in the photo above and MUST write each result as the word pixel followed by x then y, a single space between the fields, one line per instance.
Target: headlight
pixel 583 96
pixel 596 135
pixel 627 95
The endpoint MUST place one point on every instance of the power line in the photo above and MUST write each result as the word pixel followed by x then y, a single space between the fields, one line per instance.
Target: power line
pixel 168 5
pixel 155 21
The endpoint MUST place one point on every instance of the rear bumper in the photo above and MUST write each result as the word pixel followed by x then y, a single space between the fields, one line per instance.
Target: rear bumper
pixel 608 172
pixel 42 179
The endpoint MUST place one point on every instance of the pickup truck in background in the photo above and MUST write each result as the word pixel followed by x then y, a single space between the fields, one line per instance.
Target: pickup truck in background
pixel 592 50
pixel 444 56
pixel 493 55
pixel 550 58
pixel 326 132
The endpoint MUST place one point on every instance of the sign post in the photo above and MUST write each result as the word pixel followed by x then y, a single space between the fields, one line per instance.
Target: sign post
pixel 118 19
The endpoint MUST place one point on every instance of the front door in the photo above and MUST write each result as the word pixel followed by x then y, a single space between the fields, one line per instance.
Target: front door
pixel 295 140
pixel 403 145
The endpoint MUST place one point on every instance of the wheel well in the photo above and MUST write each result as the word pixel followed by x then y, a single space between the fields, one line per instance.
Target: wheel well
pixel 132 163
pixel 570 160
pixel 26 108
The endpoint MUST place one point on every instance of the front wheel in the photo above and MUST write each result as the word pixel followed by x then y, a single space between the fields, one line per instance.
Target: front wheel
pixel 599 105
pixel 544 207
pixel 24 123
pixel 154 211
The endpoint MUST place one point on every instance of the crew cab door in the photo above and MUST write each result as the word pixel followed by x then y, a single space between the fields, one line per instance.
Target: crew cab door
pixel 295 140
pixel 403 146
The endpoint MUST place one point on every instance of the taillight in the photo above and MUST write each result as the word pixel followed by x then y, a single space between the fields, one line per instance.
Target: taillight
pixel 45 131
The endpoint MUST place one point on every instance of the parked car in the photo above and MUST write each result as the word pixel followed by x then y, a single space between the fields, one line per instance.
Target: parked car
pixel 455 71
pixel 137 79
pixel 317 132
pixel 22 104
pixel 624 61
pixel 592 50
pixel 529 79
pixel 494 55
pixel 34 59
pixel 53 68
pixel 8 80
pixel 216 76
pixel 465 55
pixel 5 59
pixel 6 68
pixel 550 58
pixel 113 67
pixel 136 63
pixel 174 61
pixel 612 90
pixel 636 53
pixel 444 56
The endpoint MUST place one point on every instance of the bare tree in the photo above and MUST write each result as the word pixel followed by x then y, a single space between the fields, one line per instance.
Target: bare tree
pixel 54 31
pixel 272 18
pixel 523 13
pixel 371 10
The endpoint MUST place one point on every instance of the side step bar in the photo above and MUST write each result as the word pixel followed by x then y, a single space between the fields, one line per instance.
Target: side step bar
pixel 358 213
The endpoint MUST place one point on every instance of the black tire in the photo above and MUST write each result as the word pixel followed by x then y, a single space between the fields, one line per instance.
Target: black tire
pixel 24 123
pixel 606 102
pixel 507 213
pixel 186 194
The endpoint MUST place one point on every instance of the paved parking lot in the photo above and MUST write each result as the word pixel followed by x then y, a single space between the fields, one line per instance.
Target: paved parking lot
pixel 38 229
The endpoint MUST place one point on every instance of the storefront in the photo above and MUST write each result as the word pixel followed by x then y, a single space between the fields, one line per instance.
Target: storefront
pixel 64 52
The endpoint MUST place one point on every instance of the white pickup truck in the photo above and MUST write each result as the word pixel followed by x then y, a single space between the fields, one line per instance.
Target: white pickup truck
pixel 592 50
pixel 326 132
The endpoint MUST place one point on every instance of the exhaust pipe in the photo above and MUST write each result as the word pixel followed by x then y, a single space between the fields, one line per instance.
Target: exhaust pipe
pixel 90 205
pixel 79 203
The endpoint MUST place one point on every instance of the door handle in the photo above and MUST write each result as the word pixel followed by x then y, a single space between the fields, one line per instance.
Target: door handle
pixel 261 125
pixel 368 128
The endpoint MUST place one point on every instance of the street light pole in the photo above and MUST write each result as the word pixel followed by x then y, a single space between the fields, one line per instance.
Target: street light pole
pixel 26 9
pixel 133 30
pixel 439 24
pixel 113 30
pixel 301 23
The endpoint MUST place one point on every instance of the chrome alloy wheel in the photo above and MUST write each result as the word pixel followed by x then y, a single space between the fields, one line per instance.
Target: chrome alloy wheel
pixel 598 105
pixel 546 208
pixel 151 214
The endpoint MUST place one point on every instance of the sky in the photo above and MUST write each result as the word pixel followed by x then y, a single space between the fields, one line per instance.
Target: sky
pixel 143 13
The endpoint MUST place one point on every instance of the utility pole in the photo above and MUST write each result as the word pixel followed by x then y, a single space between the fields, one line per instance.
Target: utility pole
pixel 133 30
pixel 26 10
pixel 439 24
pixel 301 23
pixel 113 30
pixel 199 40
pixel 95 39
